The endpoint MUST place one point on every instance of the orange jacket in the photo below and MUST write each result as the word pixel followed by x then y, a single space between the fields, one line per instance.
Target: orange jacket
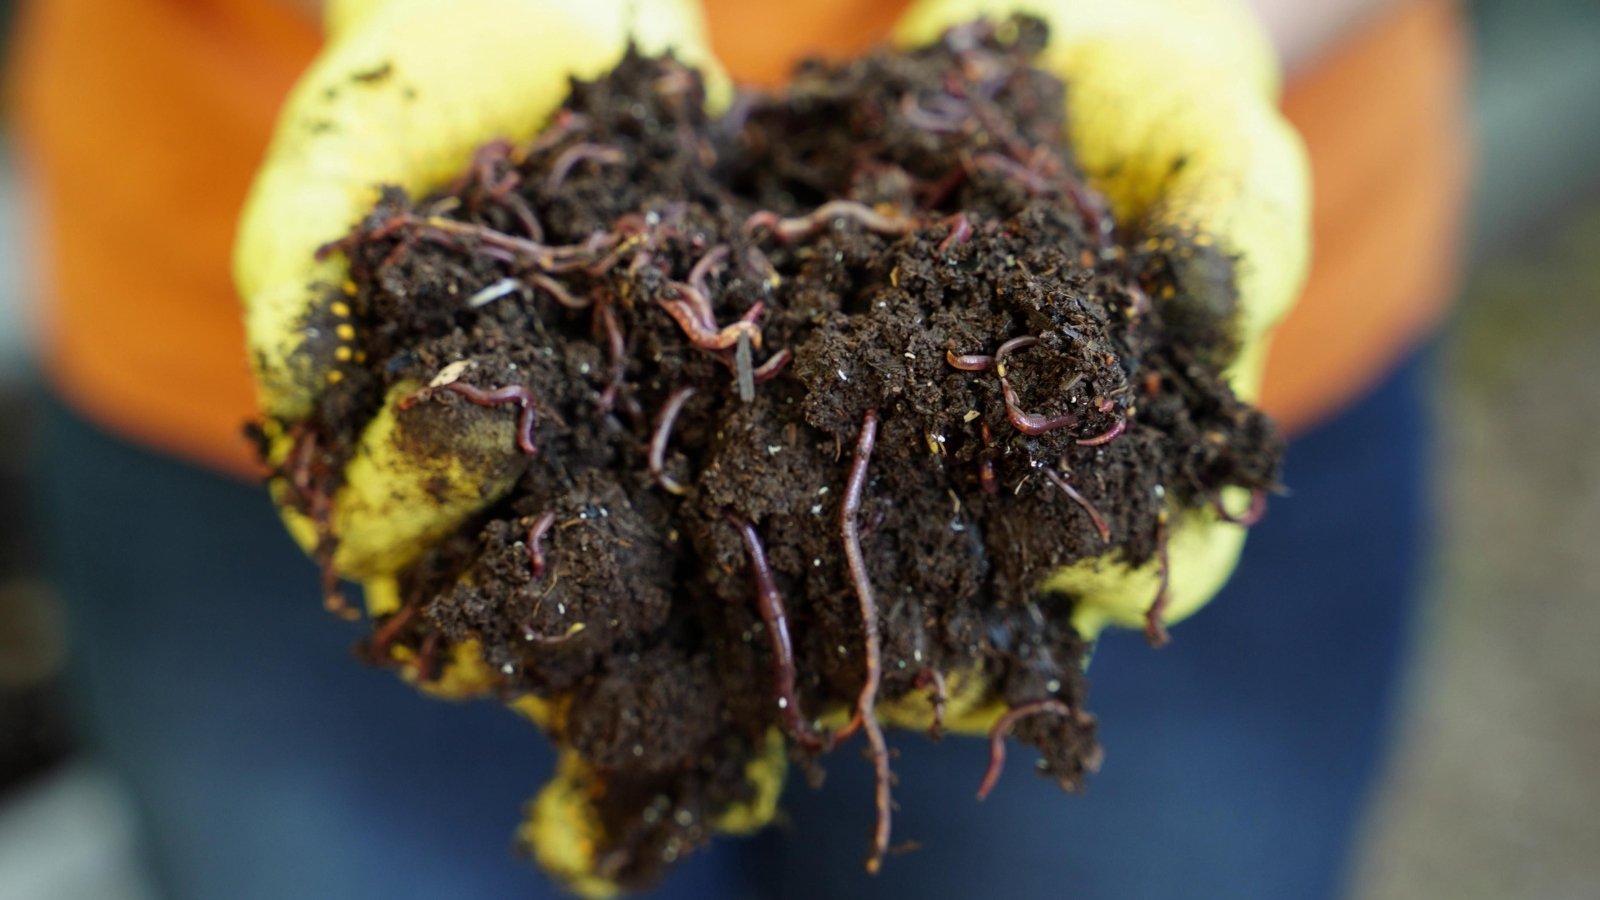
pixel 143 120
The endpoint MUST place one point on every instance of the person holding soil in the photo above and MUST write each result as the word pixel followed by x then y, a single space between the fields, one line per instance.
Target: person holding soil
pixel 209 653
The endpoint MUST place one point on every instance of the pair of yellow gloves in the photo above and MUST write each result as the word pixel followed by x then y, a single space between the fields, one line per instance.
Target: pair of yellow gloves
pixel 1172 116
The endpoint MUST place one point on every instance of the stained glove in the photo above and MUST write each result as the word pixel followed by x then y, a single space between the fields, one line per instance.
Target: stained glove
pixel 1172 117
pixel 402 94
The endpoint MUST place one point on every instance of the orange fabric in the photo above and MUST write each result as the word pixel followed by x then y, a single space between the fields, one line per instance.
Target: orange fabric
pixel 760 41
pixel 1384 118
pixel 143 123
pixel 143 120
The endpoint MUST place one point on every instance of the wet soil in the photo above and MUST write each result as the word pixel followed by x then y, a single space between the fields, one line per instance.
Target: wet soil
pixel 704 314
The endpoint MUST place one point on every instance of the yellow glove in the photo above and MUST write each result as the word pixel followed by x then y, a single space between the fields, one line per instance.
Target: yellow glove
pixel 402 94
pixel 1172 115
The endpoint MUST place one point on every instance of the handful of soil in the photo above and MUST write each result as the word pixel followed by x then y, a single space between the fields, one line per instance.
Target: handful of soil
pixel 811 399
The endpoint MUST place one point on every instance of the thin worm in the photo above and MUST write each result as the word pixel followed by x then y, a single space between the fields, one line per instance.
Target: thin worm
pixel 939 696
pixel 511 393
pixel 797 227
pixel 866 703
pixel 997 737
pixel 1028 423
pixel 1106 437
pixel 774 365
pixel 575 154
pixel 972 362
pixel 1021 342
pixel 714 259
pixel 663 432
pixel 536 533
pixel 770 603
pixel 1155 630
pixel 1250 517
pixel 986 476
pixel 1072 492
pixel 557 290
pixel 960 233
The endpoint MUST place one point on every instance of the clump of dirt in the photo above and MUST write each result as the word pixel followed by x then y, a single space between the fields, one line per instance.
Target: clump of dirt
pixel 820 388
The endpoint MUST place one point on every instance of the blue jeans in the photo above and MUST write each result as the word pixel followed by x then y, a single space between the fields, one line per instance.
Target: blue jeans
pixel 267 763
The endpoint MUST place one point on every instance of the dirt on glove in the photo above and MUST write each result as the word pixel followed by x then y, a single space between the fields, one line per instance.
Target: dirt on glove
pixel 814 394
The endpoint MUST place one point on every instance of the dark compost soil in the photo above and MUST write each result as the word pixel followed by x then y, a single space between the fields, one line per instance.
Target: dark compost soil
pixel 864 359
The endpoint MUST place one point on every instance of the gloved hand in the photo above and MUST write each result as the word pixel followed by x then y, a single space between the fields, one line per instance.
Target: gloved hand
pixel 1172 117
pixel 402 94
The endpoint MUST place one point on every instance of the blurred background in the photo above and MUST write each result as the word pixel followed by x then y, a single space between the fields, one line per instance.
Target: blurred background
pixel 1493 789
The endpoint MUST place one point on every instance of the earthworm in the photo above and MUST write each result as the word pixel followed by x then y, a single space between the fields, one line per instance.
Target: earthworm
pixel 499 255
pixel 696 297
pixel 401 247
pixel 713 259
pixel 1155 631
pixel 663 432
pixel 578 153
pixel 986 477
pixel 1072 492
pixel 303 454
pixel 924 119
pixel 972 362
pixel 960 233
pixel 1021 342
pixel 557 290
pixel 489 237
pixel 506 247
pixel 616 346
pixel 758 261
pixel 511 393
pixel 563 124
pixel 866 714
pixel 792 229
pixel 1028 423
pixel 997 163
pixel 501 191
pixel 605 263
pixel 343 244
pixel 1105 437
pixel 482 167
pixel 390 629
pixel 997 736
pixel 770 603
pixel 428 657
pixel 703 334
pixel 1094 217
pixel 1250 517
pixel 936 192
pixel 536 533
pixel 774 364
pixel 933 678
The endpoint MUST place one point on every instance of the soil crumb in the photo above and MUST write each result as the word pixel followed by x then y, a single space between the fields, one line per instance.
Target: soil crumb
pixel 815 393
